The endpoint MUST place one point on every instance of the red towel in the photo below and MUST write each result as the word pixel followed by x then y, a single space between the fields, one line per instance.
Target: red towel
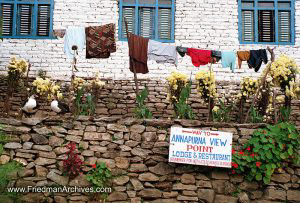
pixel 199 57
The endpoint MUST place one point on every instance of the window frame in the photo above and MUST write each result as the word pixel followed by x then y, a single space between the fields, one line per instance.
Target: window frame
pixel 137 5
pixel 35 4
pixel 255 8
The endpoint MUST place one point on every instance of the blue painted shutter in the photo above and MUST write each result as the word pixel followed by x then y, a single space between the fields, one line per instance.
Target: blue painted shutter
pixel 7 19
pixel 266 26
pixel 284 26
pixel 164 23
pixel 247 26
pixel 128 13
pixel 24 26
pixel 146 22
pixel 43 21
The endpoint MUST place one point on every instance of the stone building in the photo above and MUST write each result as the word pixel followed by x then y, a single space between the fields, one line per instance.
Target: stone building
pixel 205 24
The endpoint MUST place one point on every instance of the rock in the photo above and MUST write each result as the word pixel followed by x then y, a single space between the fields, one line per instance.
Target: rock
pixel 44 161
pixel 42 148
pixel 10 121
pixel 61 180
pixel 187 179
pixel 32 121
pixel 87 153
pixel 189 193
pixel 236 178
pixel 165 201
pixel 25 155
pixel 13 145
pixel 43 131
pixel 273 194
pixel 162 169
pixel 150 193
pixel 150 177
pixel 137 129
pixel 4 159
pixel 170 194
pixel 206 195
pixel 39 139
pixel 25 172
pixel 117 127
pixel 137 185
pixel 121 180
pixel 80 181
pixel 243 198
pixel 135 137
pixel 55 141
pixel 203 184
pixel 249 186
pixel 32 198
pixel 117 196
pixel 281 177
pixel 49 155
pixel 219 186
pixel 60 199
pixel 98 148
pixel 219 175
pixel 76 132
pixel 137 168
pixel 256 194
pixel 158 122
pixel 21 161
pixel 92 136
pixel 140 152
pixel 58 129
pixel 25 137
pixel 41 171
pixel 122 162
pixel 73 138
pixel 90 128
pixel 27 145
pixel 225 199
pixel 180 186
pixel 60 150
pixel 186 198
pixel 229 188
pixel 24 183
pixel 149 136
pixel 293 195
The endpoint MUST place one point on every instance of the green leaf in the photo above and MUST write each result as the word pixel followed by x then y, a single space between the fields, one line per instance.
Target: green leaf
pixel 258 177
pixel 266 180
pixel 290 151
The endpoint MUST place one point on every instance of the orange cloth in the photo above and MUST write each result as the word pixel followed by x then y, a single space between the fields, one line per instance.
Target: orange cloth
pixel 243 56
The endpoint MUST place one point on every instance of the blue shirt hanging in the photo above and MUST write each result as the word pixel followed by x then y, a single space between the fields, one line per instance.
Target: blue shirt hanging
pixel 229 60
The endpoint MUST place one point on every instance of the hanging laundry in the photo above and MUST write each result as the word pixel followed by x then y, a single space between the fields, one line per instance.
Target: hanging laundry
pixel 217 55
pixel 162 53
pixel 181 51
pixel 256 59
pixel 243 56
pixel 199 57
pixel 100 41
pixel 138 53
pixel 75 36
pixel 229 60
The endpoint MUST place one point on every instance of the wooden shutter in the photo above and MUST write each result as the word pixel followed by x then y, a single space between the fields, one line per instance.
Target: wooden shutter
pixel 24 26
pixel 43 21
pixel 146 22
pixel 247 26
pixel 164 23
pixel 266 26
pixel 284 26
pixel 129 14
pixel 7 19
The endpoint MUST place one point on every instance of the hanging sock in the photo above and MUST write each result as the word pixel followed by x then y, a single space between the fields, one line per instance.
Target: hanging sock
pixel 256 59
pixel 243 56
pixel 229 60
pixel 181 51
pixel 162 53
pixel 100 41
pixel 199 57
pixel 75 36
pixel 138 53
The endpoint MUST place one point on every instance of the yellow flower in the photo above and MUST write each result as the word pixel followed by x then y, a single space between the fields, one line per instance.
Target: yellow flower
pixel 215 109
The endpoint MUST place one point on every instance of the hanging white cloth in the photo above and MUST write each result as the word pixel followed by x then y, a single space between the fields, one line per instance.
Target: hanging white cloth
pixel 162 53
pixel 75 36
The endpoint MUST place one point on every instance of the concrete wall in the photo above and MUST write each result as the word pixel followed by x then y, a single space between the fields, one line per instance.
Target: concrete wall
pixel 205 24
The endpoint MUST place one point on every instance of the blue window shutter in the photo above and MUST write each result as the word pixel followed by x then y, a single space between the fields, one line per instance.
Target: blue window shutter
pixel 284 26
pixel 266 24
pixel 129 14
pixel 43 20
pixel 164 23
pixel 24 26
pixel 247 26
pixel 146 22
pixel 7 19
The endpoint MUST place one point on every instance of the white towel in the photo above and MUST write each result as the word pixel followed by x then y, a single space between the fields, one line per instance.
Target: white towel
pixel 74 36
pixel 162 53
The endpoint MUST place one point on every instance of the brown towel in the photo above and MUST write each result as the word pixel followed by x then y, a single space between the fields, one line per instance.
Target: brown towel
pixel 100 41
pixel 138 53
pixel 243 56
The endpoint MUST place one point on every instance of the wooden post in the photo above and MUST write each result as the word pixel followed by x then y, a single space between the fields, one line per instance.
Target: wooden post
pixel 274 106
pixel 209 100
pixel 133 66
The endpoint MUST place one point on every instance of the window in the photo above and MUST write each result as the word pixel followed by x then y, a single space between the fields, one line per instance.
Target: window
pixel 267 21
pixel 26 18
pixel 152 19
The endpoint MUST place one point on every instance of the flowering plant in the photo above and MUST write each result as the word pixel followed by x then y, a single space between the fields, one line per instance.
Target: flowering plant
pixel 177 81
pixel 206 85
pixel 17 67
pixel 222 113
pixel 248 87
pixel 45 87
pixel 72 164
pixel 267 150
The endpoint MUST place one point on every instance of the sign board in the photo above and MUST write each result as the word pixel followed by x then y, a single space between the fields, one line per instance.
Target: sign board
pixel 200 147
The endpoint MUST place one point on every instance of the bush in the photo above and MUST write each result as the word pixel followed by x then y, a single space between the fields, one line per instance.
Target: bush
pixel 72 164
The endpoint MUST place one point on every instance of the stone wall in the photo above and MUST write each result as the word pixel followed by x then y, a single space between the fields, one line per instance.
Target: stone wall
pixel 136 151
pixel 205 24
pixel 117 98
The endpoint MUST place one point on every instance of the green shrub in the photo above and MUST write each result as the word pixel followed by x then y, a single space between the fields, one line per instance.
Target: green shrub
pixel 183 110
pixel 142 111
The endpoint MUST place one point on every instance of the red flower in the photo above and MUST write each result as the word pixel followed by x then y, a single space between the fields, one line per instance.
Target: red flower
pixel 233 151
pixel 241 153
pixel 258 164
pixel 248 148
pixel 234 165
pixel 233 172
pixel 93 165
pixel 252 154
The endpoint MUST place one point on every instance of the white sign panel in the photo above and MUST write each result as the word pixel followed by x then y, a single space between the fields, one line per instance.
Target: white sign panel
pixel 200 147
